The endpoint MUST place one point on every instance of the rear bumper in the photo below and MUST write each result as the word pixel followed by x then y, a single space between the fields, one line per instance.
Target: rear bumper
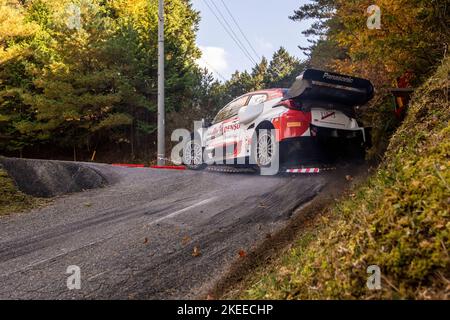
pixel 324 133
pixel 324 145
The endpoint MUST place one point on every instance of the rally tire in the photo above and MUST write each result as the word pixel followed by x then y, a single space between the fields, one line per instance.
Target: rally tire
pixel 264 147
pixel 193 155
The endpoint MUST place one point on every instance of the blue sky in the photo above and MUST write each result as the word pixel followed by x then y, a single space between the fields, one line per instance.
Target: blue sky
pixel 265 24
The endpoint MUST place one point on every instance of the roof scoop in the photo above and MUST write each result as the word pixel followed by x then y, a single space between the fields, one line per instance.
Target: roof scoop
pixel 331 87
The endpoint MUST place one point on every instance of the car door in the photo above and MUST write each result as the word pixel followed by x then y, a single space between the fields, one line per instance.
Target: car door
pixel 214 134
pixel 223 130
pixel 231 128
pixel 245 135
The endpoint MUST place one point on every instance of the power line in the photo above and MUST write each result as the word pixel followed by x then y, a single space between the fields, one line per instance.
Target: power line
pixel 232 30
pixel 228 32
pixel 245 37
pixel 234 36
pixel 240 30
pixel 214 70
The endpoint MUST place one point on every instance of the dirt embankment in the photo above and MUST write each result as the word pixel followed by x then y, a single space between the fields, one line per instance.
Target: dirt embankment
pixel 46 178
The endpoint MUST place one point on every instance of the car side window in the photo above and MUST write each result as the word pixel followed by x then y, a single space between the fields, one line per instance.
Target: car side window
pixel 221 115
pixel 236 105
pixel 257 99
pixel 231 110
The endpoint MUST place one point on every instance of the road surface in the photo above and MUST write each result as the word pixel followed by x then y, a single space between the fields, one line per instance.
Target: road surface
pixel 154 234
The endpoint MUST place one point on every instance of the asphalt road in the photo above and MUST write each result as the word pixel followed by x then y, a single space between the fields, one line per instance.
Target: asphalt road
pixel 136 239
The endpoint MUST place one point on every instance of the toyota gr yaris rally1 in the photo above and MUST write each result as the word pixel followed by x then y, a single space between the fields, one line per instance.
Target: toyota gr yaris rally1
pixel 314 119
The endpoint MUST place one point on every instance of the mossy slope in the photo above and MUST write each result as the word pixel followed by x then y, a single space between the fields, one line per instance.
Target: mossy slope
pixel 11 199
pixel 398 220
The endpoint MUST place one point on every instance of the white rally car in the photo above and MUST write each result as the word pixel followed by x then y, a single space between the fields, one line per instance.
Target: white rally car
pixel 312 119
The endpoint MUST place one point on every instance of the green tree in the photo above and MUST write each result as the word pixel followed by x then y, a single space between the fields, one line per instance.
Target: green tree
pixel 17 68
pixel 76 73
pixel 239 84
pixel 259 74
pixel 283 68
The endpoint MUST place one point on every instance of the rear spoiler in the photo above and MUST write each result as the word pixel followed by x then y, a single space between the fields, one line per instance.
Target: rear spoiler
pixel 331 87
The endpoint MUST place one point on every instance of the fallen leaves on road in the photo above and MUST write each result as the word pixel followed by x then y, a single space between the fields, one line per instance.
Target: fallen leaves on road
pixel 348 178
pixel 242 253
pixel 186 240
pixel 262 205
pixel 196 252
pixel 88 204
pixel 145 240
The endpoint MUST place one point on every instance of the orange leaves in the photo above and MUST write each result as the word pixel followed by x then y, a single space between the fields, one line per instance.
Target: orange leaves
pixel 196 252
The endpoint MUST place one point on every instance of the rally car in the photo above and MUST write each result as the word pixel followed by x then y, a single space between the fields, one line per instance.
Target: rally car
pixel 313 119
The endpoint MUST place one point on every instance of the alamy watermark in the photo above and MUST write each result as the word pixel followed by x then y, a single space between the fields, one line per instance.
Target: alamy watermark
pixel 374 279
pixel 374 19
pixel 74 280
pixel 73 12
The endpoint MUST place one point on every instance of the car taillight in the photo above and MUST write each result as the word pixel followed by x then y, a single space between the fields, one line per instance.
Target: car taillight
pixel 291 104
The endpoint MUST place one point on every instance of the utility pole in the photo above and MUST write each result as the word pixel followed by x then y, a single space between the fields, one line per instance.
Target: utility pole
pixel 161 109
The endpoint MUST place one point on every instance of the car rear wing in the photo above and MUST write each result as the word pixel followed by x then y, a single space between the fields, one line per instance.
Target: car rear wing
pixel 330 87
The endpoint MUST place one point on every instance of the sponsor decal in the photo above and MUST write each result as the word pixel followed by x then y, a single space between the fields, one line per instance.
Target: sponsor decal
pixel 335 77
pixel 231 127
pixel 325 116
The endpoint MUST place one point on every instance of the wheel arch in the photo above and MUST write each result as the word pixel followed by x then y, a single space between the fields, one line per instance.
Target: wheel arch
pixel 265 124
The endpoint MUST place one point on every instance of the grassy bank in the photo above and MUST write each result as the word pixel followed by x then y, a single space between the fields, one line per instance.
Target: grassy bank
pixel 11 199
pixel 398 219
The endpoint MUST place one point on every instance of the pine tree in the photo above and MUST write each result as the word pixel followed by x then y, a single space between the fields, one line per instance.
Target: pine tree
pixel 259 74
pixel 283 69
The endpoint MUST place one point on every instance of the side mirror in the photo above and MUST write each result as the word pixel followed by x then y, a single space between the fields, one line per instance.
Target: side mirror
pixel 249 113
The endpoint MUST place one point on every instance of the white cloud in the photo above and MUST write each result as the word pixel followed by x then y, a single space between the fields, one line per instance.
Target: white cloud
pixel 264 45
pixel 214 59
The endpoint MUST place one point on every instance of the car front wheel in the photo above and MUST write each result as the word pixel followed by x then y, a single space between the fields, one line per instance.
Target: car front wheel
pixel 193 155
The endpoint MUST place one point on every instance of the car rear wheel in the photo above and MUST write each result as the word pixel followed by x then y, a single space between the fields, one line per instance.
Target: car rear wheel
pixel 266 149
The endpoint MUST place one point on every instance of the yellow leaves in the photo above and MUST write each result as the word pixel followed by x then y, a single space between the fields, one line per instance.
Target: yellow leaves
pixel 415 183
pixel 11 53
pixel 12 22
pixel 196 252
pixel 325 220
pixel 186 240
pixel 425 244
pixel 404 36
